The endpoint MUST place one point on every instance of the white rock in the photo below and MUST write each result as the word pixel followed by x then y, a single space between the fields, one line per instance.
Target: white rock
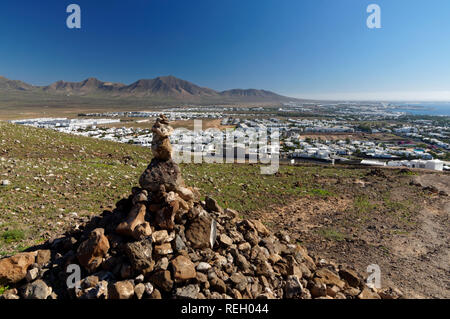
pixel 148 288
pixel 6 182
pixel 203 267
pixel 32 274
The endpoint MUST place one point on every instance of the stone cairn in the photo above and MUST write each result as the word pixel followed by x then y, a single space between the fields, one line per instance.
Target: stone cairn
pixel 163 242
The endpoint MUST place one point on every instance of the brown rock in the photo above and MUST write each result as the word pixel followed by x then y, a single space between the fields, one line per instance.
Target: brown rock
pixel 218 285
pixel 332 291
pixel 239 280
pixel 165 217
pixel 293 288
pixel 318 289
pixel 350 276
pixel 352 291
pixel 185 193
pixel 199 232
pixel 155 294
pixel 160 172
pixel 141 231
pixel 161 237
pixel 163 249
pixel 139 290
pixel 303 253
pixel 263 268
pixel 14 269
pixel 43 257
pixel 330 278
pixel 161 147
pixel 121 290
pixel 10 294
pixel 231 214
pixel 260 228
pixel 163 280
pixel 91 252
pixel 390 293
pixel 140 254
pixel 225 240
pixel 135 217
pixel 212 205
pixel 37 290
pixel 89 282
pixel 183 269
pixel 140 197
pixel 367 293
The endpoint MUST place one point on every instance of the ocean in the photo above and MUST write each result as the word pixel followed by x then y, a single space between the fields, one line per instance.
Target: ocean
pixel 425 108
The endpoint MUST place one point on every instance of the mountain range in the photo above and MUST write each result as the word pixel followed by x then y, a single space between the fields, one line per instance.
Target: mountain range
pixel 163 87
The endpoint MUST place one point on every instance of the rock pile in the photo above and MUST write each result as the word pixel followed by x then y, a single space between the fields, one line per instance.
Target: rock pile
pixel 163 242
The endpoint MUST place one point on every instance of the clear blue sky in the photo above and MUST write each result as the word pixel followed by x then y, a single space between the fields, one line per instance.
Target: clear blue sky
pixel 311 48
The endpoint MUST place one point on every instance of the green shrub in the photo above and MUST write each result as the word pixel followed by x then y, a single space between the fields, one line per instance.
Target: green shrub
pixel 10 236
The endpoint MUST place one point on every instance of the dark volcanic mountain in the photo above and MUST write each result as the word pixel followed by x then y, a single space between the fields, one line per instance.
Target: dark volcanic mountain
pixel 164 87
pixel 91 85
pixel 6 84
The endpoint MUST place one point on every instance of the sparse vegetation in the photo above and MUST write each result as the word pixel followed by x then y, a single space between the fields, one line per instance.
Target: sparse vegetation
pixel 363 206
pixel 10 236
pixel 331 234
pixel 3 289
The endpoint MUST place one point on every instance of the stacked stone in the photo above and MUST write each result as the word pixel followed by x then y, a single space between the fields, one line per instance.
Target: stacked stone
pixel 162 242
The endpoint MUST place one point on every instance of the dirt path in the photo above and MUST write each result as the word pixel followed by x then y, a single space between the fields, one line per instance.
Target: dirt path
pixel 413 252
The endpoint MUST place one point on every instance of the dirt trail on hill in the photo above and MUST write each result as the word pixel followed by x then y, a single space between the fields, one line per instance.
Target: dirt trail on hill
pixel 412 248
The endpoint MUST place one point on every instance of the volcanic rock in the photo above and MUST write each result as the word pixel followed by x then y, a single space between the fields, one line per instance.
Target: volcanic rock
pixel 37 290
pixel 367 293
pixel 187 292
pixel 135 217
pixel 139 290
pixel 91 252
pixel 350 276
pixel 161 173
pixel 14 269
pixel 212 205
pixel 163 280
pixel 43 257
pixel 293 288
pixel 121 290
pixel 200 231
pixel 161 147
pixel 140 254
pixel 183 269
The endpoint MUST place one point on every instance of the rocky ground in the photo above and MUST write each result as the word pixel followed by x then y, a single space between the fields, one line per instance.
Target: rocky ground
pixel 394 218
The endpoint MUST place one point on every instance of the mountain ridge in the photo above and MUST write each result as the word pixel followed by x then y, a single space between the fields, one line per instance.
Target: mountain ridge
pixel 159 87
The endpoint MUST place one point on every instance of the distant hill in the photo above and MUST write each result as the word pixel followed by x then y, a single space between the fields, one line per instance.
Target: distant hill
pixel 88 86
pixel 160 88
pixel 166 86
pixel 6 84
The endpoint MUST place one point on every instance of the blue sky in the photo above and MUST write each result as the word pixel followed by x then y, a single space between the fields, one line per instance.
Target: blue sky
pixel 309 48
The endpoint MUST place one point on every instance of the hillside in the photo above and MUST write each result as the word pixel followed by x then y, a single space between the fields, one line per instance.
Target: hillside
pixel 13 85
pixel 164 88
pixel 394 218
